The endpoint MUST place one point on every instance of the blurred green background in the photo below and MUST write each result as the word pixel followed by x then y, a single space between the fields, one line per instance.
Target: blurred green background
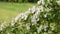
pixel 20 1
pixel 10 8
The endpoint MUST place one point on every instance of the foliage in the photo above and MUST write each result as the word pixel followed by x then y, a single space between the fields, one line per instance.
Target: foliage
pixel 26 1
pixel 20 1
pixel 41 19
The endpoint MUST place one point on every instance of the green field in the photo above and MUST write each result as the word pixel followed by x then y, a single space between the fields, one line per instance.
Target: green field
pixel 10 10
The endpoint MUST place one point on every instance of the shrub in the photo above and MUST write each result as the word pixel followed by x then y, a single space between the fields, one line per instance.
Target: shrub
pixel 26 1
pixel 33 1
pixel 20 1
pixel 41 19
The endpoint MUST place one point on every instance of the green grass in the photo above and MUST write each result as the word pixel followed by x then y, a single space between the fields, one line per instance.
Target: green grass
pixel 10 10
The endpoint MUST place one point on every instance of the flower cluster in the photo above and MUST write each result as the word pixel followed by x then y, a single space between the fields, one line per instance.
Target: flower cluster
pixel 41 19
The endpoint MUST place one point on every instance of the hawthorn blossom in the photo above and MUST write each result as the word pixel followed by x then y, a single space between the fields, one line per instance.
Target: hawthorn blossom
pixel 45 26
pixel 1 28
pixel 17 17
pixel 41 8
pixel 49 1
pixel 38 10
pixel 38 19
pixel 21 16
pixel 45 15
pixel 12 22
pixel 48 9
pixel 24 16
pixel 33 9
pixel 4 25
pixel 39 2
pixel 27 26
pixel 39 29
pixel 34 19
pixel 43 2
pixel 28 11
pixel 8 33
pixel 58 2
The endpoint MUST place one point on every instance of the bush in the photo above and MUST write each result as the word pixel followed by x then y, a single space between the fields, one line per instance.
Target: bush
pixel 26 1
pixel 41 19
pixel 19 1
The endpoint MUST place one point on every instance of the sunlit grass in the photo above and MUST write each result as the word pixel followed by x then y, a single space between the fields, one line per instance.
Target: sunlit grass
pixel 10 10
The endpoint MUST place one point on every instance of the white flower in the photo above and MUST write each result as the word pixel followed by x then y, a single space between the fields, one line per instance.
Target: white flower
pixel 1 28
pixel 43 2
pixel 24 16
pixel 12 22
pixel 29 11
pixel 45 29
pixel 45 15
pixel 48 9
pixel 34 19
pixel 40 29
pixel 37 19
pixel 4 24
pixel 20 16
pixel 8 33
pixel 33 22
pixel 41 8
pixel 49 1
pixel 58 2
pixel 39 2
pixel 38 10
pixel 17 17
pixel 45 26
pixel 27 26
pixel 33 9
